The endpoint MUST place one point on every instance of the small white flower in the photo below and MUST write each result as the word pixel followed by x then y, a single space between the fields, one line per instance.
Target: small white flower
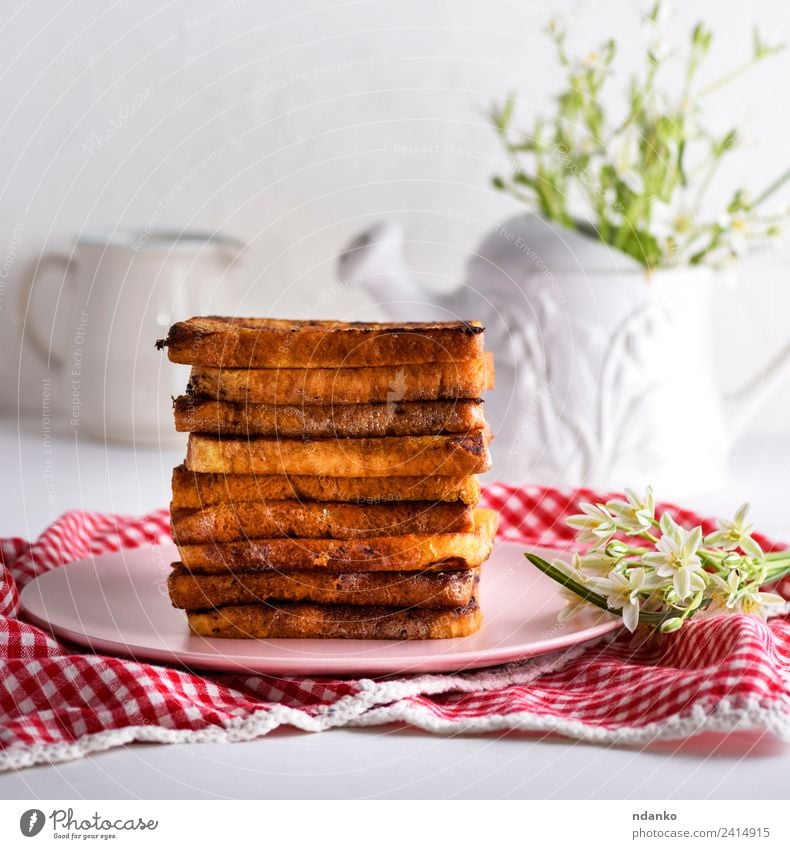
pixel 637 513
pixel 736 534
pixel 622 592
pixel 595 524
pixel 723 592
pixel 761 604
pixel 573 604
pixel 676 557
pixel 592 60
pixel 731 596
pixel 572 569
pixel 596 563
pixel 660 50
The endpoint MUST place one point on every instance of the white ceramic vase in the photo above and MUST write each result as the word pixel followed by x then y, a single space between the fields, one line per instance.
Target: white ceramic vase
pixel 605 375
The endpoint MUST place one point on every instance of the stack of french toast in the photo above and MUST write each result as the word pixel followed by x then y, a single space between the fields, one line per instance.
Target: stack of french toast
pixel 330 485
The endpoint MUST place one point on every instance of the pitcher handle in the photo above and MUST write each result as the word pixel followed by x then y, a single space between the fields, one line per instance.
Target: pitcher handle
pixel 30 327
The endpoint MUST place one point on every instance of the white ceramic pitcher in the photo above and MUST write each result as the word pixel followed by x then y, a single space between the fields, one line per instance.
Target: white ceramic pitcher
pixel 604 376
pixel 120 294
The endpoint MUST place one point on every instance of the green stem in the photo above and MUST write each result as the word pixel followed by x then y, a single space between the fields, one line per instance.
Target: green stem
pixel 705 183
pixel 777 572
pixel 773 187
pixel 730 77
pixel 706 558
pixel 645 616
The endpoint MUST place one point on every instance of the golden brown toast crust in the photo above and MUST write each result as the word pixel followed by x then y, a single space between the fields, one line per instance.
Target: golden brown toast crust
pixel 376 457
pixel 228 418
pixel 322 519
pixel 385 589
pixel 196 490
pixel 271 343
pixel 467 379
pixel 411 552
pixel 306 621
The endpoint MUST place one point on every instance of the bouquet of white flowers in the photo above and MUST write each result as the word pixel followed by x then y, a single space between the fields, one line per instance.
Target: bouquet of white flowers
pixel 659 573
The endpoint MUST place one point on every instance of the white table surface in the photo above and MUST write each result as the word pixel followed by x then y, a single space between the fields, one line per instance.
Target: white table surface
pixel 387 762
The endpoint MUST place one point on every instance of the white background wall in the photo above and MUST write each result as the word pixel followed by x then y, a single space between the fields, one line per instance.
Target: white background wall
pixel 298 119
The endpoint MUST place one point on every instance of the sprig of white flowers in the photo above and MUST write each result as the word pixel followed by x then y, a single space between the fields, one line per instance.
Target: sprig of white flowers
pixel 660 573
pixel 639 178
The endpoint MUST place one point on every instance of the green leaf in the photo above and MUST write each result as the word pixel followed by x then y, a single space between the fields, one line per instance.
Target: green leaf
pixel 645 616
pixel 568 582
pixel 701 38
pixel 762 48
pixel 655 13
pixel 501 118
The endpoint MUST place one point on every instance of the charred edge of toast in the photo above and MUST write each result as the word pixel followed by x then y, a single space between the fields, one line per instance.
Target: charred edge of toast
pixel 190 396
pixel 447 564
pixel 178 570
pixel 366 327
pixel 187 407
pixel 418 508
pixel 183 333
pixel 361 611
pixel 186 332
pixel 474 441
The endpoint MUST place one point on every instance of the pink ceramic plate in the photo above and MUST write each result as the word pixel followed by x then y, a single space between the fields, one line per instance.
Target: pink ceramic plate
pixel 118 603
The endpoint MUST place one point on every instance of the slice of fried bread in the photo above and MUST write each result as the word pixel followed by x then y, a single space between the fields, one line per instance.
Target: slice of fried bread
pixel 271 343
pixel 196 489
pixel 465 379
pixel 376 457
pixel 386 589
pixel 228 418
pixel 406 553
pixel 311 519
pixel 335 622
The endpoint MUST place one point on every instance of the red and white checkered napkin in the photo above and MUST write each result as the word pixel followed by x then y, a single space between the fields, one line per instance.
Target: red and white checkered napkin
pixel 55 704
